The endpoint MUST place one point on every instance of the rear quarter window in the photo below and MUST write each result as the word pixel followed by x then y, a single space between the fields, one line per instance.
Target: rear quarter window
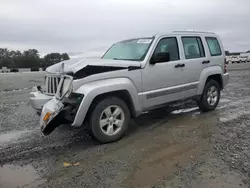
pixel 214 46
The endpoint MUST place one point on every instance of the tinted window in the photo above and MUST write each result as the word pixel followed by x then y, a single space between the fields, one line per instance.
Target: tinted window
pixel 214 46
pixel 169 45
pixel 193 47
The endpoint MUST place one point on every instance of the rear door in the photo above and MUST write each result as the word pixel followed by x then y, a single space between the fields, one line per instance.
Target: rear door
pixel 195 58
pixel 216 54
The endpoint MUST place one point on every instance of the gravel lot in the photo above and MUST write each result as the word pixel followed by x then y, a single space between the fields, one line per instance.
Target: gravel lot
pixel 172 147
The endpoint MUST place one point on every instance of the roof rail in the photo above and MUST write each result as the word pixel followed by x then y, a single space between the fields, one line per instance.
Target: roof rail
pixel 192 32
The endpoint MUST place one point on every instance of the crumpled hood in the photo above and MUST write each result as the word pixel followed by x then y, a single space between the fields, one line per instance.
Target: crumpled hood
pixel 74 65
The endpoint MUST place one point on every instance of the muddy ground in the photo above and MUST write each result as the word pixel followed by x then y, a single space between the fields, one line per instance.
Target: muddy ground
pixel 174 147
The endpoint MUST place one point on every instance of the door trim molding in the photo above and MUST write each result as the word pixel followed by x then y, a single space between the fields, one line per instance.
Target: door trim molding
pixel 169 90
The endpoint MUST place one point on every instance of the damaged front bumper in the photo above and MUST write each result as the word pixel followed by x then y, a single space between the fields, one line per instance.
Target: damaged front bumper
pixel 38 99
pixel 51 116
pixel 56 110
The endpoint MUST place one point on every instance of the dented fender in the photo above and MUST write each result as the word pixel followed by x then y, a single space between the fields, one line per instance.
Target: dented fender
pixel 93 89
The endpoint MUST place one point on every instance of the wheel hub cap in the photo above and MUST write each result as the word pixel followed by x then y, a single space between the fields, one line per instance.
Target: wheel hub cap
pixel 112 120
pixel 212 95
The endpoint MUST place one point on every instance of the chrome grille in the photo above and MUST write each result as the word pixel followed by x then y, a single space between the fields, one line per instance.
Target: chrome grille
pixel 51 84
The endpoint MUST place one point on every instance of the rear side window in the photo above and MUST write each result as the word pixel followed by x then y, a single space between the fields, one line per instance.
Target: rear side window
pixel 193 47
pixel 169 45
pixel 214 46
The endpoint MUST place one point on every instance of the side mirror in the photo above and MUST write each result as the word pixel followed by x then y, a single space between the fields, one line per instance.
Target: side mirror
pixel 160 58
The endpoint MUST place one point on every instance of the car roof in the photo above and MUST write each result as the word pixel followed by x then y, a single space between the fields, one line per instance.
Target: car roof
pixel 191 33
pixel 158 35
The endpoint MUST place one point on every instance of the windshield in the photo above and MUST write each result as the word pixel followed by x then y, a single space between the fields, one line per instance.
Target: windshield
pixel 133 50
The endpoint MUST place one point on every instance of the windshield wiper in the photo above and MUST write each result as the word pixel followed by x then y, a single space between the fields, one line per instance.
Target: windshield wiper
pixel 126 59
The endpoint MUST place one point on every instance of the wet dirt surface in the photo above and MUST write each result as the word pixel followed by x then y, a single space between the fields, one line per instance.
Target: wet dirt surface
pixel 175 147
pixel 19 176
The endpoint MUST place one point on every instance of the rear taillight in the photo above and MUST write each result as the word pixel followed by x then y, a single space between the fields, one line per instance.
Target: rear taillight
pixel 225 65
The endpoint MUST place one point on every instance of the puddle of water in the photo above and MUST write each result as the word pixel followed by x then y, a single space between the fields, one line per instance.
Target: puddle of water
pixel 12 176
pixel 11 136
pixel 184 110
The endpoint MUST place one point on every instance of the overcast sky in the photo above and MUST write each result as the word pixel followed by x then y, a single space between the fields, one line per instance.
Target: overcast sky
pixel 92 25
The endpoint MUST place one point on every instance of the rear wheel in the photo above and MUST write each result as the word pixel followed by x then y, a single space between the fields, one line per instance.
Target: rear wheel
pixel 109 120
pixel 210 97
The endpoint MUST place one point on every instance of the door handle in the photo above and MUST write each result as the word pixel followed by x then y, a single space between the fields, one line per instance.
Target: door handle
pixel 179 65
pixel 205 62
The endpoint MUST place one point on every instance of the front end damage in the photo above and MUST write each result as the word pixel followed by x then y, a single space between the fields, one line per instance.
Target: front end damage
pixel 58 109
pixel 51 116
pixel 56 102
pixel 57 112
pixel 38 99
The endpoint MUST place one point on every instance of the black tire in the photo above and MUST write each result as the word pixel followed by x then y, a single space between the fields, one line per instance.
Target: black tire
pixel 95 114
pixel 203 102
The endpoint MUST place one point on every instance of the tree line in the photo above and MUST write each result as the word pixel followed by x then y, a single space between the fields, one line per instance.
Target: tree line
pixel 29 58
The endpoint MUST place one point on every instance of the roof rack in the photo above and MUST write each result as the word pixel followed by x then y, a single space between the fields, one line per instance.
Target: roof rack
pixel 192 32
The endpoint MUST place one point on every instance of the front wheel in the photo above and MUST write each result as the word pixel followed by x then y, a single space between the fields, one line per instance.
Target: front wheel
pixel 210 97
pixel 109 120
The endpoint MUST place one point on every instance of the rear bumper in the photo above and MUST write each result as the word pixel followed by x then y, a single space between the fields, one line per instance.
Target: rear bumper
pixel 225 79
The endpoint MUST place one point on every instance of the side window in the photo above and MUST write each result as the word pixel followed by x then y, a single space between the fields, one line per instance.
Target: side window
pixel 214 46
pixel 169 45
pixel 193 47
